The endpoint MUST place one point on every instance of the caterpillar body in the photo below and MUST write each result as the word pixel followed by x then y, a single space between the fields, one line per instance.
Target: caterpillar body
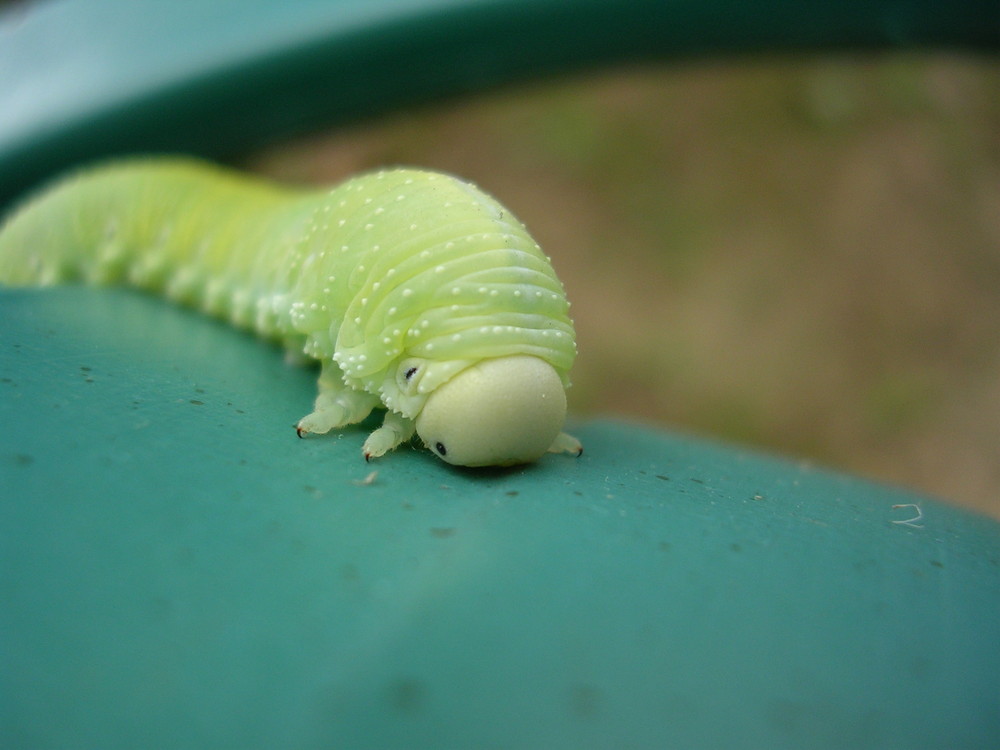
pixel 416 291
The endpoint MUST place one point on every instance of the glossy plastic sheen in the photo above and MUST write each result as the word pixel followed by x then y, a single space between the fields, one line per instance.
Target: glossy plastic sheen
pixel 81 79
pixel 181 571
pixel 177 570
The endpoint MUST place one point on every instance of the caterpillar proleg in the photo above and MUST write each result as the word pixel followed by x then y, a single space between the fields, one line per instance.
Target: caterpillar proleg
pixel 417 292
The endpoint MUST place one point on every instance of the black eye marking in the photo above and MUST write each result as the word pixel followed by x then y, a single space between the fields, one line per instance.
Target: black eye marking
pixel 410 373
pixel 439 447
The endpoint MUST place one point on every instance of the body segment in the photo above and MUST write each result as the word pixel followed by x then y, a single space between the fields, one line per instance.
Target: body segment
pixel 397 282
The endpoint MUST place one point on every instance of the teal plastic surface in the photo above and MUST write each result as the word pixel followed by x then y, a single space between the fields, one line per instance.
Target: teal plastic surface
pixel 179 570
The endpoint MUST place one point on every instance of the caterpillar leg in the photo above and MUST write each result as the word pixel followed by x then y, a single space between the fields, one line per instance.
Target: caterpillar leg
pixel 336 404
pixel 566 444
pixel 395 430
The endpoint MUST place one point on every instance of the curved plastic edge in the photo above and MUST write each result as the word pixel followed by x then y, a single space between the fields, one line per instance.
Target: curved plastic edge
pixel 84 79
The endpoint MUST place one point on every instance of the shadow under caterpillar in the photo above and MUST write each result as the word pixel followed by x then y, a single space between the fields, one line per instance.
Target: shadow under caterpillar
pixel 416 291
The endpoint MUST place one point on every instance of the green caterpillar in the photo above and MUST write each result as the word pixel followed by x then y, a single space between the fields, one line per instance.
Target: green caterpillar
pixel 416 291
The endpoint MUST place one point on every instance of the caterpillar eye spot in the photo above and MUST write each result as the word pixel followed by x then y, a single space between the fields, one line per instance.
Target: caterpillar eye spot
pixel 392 310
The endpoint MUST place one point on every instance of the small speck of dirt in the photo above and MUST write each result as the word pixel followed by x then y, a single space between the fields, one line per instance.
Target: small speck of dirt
pixel 443 532
pixel 407 695
pixel 585 700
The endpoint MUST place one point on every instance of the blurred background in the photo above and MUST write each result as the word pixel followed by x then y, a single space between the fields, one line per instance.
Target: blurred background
pixel 798 254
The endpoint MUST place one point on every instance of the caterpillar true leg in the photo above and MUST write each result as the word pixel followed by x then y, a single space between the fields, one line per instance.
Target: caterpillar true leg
pixel 416 291
pixel 395 430
pixel 566 444
pixel 336 405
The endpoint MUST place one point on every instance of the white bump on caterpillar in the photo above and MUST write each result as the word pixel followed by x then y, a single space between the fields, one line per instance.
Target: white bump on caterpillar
pixel 289 263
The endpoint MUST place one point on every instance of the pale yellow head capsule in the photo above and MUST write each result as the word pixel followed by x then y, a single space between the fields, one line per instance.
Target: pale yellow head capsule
pixel 499 412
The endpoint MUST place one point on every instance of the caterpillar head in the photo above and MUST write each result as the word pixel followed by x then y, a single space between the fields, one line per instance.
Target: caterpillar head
pixel 498 412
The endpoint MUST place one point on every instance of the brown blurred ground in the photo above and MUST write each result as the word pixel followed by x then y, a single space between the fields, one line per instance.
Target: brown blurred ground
pixel 798 254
